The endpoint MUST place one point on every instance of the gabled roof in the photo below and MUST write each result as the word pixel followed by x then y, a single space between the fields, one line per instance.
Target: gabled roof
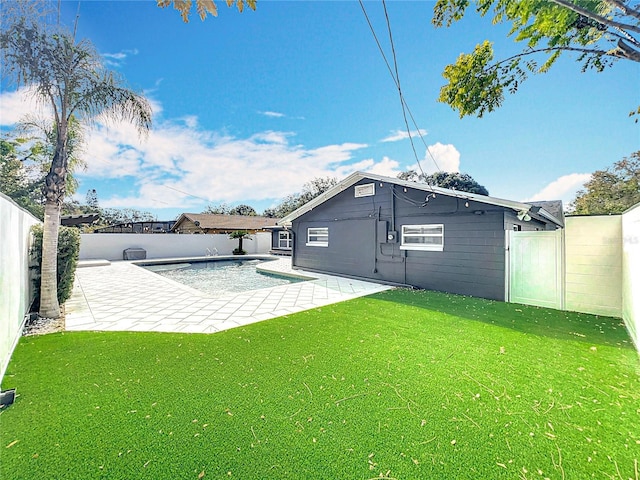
pixel 209 221
pixel 519 207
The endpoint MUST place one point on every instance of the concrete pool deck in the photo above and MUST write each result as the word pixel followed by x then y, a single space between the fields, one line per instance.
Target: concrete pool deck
pixel 122 296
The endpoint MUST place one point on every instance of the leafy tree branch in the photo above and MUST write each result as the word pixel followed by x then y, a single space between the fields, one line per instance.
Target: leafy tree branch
pixel 600 31
pixel 204 7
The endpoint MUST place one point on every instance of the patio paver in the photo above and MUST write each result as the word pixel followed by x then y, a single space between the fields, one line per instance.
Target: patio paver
pixel 122 296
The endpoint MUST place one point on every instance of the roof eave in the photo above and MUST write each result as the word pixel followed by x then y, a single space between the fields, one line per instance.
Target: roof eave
pixel 357 176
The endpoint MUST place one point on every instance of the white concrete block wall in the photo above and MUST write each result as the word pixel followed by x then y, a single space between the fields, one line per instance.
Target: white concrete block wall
pixel 15 284
pixel 593 263
pixel 631 272
pixel 109 246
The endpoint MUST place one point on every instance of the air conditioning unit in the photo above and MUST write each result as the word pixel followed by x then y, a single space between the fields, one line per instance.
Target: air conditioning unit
pixel 134 254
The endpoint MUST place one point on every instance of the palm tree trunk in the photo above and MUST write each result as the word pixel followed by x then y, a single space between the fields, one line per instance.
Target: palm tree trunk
pixel 54 190
pixel 49 306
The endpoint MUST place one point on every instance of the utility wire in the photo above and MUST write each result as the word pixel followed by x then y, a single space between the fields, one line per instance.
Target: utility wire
pixel 397 77
pixel 185 193
pixel 397 83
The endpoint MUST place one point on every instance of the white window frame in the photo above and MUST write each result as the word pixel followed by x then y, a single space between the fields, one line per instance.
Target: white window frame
pixel 318 237
pixel 366 190
pixel 284 237
pixel 421 246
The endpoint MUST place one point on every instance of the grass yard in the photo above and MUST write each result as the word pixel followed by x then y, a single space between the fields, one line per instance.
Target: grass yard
pixel 402 384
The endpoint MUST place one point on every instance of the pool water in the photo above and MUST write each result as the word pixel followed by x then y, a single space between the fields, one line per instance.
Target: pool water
pixel 220 277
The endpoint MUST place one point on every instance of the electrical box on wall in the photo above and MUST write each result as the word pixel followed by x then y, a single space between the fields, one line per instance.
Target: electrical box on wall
pixel 383 228
pixel 392 237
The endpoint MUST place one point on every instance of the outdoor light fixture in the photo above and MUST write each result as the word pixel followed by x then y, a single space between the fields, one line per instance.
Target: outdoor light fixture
pixel 524 215
pixel 466 204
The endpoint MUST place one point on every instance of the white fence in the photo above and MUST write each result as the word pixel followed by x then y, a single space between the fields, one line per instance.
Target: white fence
pixel 535 268
pixel 110 246
pixel 599 271
pixel 15 284
pixel 593 259
pixel 631 272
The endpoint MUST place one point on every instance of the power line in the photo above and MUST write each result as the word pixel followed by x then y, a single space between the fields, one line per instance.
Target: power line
pixel 396 80
pixel 185 193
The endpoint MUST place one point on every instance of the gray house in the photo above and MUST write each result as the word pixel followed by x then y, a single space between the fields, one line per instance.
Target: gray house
pixel 408 233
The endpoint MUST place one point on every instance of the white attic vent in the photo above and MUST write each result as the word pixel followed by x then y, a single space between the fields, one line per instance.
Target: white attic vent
pixel 367 190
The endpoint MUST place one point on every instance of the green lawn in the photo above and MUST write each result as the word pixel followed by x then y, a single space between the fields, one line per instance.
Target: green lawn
pixel 402 384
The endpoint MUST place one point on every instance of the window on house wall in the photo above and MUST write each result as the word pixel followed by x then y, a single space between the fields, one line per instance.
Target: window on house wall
pixel 423 237
pixel 318 237
pixel 284 240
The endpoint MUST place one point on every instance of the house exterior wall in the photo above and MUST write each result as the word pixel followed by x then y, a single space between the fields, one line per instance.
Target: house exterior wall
pixel 275 242
pixel 593 263
pixel 16 289
pixel 512 222
pixel 472 261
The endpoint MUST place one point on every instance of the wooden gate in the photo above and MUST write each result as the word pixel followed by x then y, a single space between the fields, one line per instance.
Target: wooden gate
pixel 535 268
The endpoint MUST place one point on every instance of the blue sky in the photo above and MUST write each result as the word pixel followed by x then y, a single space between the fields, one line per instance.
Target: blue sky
pixel 248 107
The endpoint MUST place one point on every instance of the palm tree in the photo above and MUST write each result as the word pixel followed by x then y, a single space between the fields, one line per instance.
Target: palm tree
pixel 240 235
pixel 71 79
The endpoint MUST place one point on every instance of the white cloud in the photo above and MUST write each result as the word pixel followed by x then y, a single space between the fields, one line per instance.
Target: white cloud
pixel 386 167
pixel 563 188
pixel 181 156
pixel 398 135
pixel 211 166
pixel 15 105
pixel 272 114
pixel 441 157
pixel 116 59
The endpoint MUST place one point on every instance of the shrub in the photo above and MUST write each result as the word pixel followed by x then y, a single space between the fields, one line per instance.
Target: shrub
pixel 68 251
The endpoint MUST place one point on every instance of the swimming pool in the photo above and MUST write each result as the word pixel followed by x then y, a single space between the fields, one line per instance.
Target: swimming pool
pixel 219 277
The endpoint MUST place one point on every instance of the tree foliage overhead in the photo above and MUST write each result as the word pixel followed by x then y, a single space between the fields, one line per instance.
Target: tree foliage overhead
pixel 204 7
pixel 599 31
pixel 310 190
pixel 612 190
pixel 462 182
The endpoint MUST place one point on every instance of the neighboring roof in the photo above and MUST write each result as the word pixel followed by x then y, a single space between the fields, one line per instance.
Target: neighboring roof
pixel 149 226
pixel 554 207
pixel 73 220
pixel 209 221
pixel 519 207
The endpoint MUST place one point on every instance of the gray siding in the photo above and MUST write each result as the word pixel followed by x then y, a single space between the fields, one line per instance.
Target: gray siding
pixel 472 261
pixel 511 220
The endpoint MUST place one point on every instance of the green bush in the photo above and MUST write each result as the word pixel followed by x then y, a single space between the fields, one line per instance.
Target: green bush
pixel 68 251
